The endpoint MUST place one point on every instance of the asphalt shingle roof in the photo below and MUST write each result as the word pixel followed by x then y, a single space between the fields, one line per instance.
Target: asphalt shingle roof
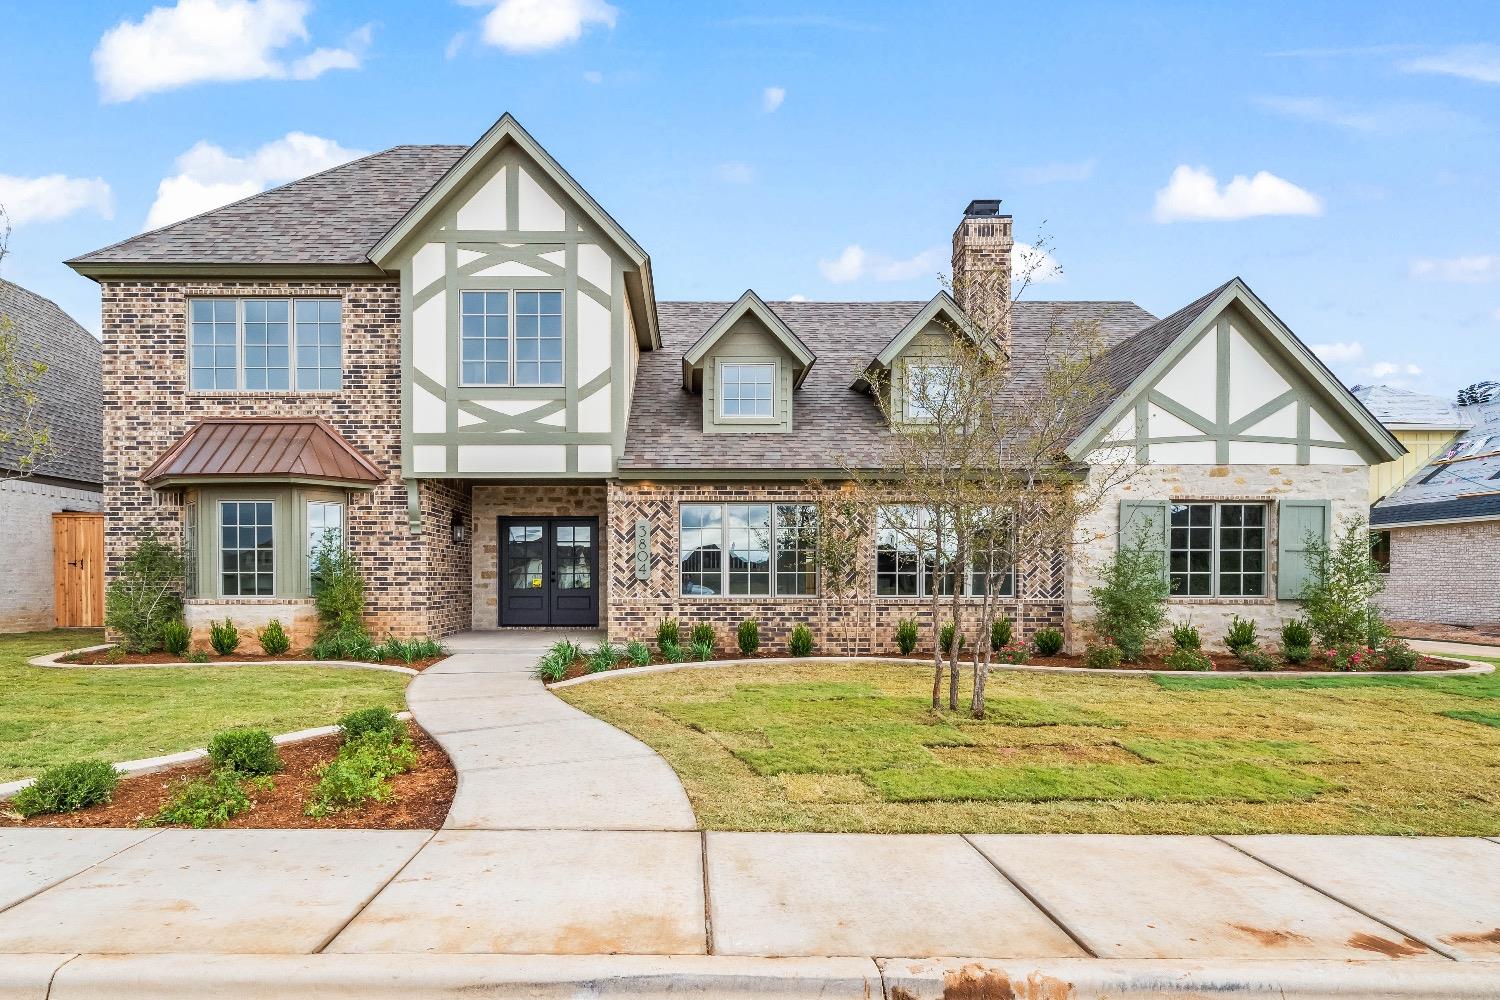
pixel 1395 407
pixel 832 425
pixel 332 217
pixel 70 391
pixel 1462 481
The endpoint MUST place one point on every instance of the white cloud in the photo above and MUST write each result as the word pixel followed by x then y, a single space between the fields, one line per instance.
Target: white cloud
pixel 771 98
pixel 219 40
pixel 1340 352
pixel 854 263
pixel 1375 119
pixel 455 45
pixel 846 267
pixel 1479 269
pixel 1194 194
pixel 1479 63
pixel 1051 173
pixel 1386 369
pixel 735 173
pixel 923 265
pixel 593 76
pixel 1034 266
pixel 522 26
pixel 208 177
pixel 54 196
pixel 796 298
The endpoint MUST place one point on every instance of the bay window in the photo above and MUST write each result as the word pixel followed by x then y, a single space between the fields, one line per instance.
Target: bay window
pixel 748 549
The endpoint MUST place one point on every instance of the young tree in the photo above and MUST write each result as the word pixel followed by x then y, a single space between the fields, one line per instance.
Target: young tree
pixel 1339 599
pixel 25 439
pixel 1130 600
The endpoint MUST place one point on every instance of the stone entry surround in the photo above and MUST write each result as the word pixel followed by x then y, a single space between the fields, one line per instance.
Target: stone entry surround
pixel 489 503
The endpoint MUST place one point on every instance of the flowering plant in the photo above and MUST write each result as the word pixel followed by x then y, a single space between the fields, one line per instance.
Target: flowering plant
pixel 1013 653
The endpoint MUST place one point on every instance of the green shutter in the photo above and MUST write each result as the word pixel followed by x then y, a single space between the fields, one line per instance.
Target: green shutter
pixel 1299 519
pixel 1150 514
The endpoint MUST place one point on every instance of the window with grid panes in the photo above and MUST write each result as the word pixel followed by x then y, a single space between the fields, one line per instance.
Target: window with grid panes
pixel 1217 550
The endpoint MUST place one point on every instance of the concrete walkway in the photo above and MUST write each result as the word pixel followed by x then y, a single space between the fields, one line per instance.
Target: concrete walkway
pixel 1441 648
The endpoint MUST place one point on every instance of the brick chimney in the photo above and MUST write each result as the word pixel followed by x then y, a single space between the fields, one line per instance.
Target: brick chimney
pixel 982 267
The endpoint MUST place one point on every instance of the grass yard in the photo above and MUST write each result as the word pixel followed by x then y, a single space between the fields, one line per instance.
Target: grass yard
pixel 48 716
pixel 855 748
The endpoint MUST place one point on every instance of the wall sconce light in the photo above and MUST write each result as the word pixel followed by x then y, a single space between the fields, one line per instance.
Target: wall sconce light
pixel 459 528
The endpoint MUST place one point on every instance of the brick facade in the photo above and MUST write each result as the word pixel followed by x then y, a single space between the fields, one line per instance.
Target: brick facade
pixel 1447 573
pixel 864 625
pixel 490 503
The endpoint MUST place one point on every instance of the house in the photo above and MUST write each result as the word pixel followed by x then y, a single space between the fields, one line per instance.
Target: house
pixel 37 491
pixel 1437 532
pixel 1425 425
pixel 456 356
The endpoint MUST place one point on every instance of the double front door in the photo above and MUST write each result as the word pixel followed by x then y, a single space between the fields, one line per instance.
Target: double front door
pixel 549 571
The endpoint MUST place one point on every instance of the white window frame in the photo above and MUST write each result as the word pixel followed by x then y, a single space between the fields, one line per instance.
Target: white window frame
pixel 912 412
pixel 219 548
pixel 511 295
pixel 310 544
pixel 742 418
pixel 239 343
pixel 772 593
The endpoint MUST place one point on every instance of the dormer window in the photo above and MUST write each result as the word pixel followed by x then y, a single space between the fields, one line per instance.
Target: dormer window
pixel 747 367
pixel 747 391
pixel 928 387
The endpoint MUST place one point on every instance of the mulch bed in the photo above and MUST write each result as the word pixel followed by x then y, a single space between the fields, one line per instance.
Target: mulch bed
pixel 102 657
pixel 419 799
pixel 1479 635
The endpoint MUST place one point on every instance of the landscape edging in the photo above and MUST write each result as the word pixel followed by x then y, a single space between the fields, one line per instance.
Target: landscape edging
pixel 54 661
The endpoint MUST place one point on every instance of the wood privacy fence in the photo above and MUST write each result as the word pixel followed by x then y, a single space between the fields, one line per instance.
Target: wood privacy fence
pixel 78 569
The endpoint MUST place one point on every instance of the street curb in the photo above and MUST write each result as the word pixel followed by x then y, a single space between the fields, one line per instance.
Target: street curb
pixel 54 661
pixel 150 765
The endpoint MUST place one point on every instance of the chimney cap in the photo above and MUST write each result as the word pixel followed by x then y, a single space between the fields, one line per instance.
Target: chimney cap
pixel 983 208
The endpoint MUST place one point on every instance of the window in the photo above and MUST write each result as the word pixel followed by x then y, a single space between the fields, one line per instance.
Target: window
pixel 325 518
pixel 246 548
pixel 1380 550
pixel 492 356
pixel 247 344
pixel 727 549
pixel 906 555
pixel 927 389
pixel 1218 550
pixel 745 390
pixel 992 561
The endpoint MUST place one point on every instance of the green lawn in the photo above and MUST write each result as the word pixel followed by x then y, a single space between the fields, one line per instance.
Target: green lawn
pixel 842 747
pixel 48 716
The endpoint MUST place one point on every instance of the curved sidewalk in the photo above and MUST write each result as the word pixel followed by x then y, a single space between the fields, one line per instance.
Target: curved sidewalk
pixel 525 759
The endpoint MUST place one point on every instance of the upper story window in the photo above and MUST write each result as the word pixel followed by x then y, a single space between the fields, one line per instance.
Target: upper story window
pixel 247 344
pixel 511 338
pixel 746 390
pixel 928 387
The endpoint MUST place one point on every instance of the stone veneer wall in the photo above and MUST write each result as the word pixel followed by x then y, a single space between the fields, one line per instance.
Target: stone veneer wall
pixel 148 406
pixel 1447 573
pixel 862 626
pixel 1345 487
pixel 26 586
pixel 490 503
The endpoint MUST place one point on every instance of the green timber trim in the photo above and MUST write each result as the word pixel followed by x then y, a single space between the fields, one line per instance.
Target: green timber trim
pixel 1295 521
pixel 748 304
pixel 941 303
pixel 1292 360
pixel 414 506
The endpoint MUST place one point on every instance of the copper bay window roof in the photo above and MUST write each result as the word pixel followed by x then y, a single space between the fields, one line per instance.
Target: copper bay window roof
pixel 261 449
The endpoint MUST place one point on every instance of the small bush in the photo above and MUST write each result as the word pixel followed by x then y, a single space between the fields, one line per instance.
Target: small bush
pixel 946 637
pixel 377 719
pixel 1102 657
pixel 906 635
pixel 176 637
pixel 702 651
pixel 361 771
pixel 1296 633
pixel 65 788
pixel 273 638
pixel 1186 658
pixel 1241 635
pixel 639 654
pixel 673 653
pixel 338 587
pixel 566 650
pixel 550 670
pixel 198 656
pixel 668 633
pixel 427 648
pixel 1349 657
pixel 145 595
pixel 1130 600
pixel 1000 633
pixel 800 643
pixel 248 751
pixel 1013 653
pixel 1049 642
pixel 1296 654
pixel 749 636
pixel 1254 659
pixel 114 654
pixel 1185 636
pixel 207 802
pixel 344 645
pixel 1131 648
pixel 603 658
pixel 224 638
pixel 1400 656
pixel 703 634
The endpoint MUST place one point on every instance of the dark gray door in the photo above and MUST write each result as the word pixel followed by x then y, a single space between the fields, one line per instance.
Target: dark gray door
pixel 549 571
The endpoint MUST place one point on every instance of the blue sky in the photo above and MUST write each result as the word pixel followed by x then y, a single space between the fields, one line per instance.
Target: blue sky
pixel 754 144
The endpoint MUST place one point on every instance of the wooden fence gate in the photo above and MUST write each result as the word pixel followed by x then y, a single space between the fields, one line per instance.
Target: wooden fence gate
pixel 78 569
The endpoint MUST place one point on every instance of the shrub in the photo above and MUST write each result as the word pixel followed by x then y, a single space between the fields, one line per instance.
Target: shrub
pixel 377 719
pixel 702 651
pixel 906 635
pixel 1400 656
pixel 1189 658
pixel 946 636
pixel 114 654
pixel 1348 657
pixel 176 637
pixel 273 638
pixel 673 653
pixel 603 658
pixel 1102 657
pixel 338 587
pixel 223 637
pixel 1296 654
pixel 550 670
pixel 427 648
pixel 638 653
pixel 1049 642
pixel 800 643
pixel 1339 598
pixel 1013 653
pixel 749 636
pixel 566 650
pixel 248 751
pixel 351 645
pixel 1185 636
pixel 1254 659
pixel 1130 601
pixel 1296 633
pixel 1241 635
pixel 198 656
pixel 67 787
pixel 208 801
pixel 361 771
pixel 145 595
pixel 1000 633
pixel 703 635
pixel 668 634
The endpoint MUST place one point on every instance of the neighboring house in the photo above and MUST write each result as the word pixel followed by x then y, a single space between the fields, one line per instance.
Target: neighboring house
pixel 1438 533
pixel 68 475
pixel 1425 425
pixel 457 356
